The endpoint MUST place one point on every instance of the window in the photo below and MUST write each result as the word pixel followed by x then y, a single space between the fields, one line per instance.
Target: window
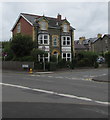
pixel 18 28
pixel 66 40
pixel 55 40
pixel 41 58
pixel 66 56
pixel 43 39
pixel 65 28
pixel 43 25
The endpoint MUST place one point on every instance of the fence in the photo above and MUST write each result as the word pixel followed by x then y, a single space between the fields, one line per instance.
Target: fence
pixel 16 65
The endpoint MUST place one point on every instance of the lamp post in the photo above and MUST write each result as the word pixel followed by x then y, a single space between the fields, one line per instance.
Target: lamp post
pixel 43 48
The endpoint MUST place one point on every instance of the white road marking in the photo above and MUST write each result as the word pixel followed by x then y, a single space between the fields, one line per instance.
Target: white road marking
pixel 59 77
pixel 50 76
pixel 55 93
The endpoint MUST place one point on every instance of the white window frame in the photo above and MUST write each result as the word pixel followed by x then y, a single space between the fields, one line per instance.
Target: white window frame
pixel 39 40
pixel 66 40
pixel 41 57
pixel 66 58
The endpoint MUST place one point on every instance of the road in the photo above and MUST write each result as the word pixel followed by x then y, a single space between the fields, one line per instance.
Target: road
pixel 62 94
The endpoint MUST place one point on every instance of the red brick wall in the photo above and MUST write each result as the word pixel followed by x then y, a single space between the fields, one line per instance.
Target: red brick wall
pixel 26 28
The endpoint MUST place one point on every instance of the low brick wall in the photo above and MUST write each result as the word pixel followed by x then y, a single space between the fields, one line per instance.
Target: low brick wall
pixel 16 65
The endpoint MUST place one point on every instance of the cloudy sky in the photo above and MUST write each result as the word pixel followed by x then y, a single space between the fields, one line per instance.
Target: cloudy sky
pixel 88 18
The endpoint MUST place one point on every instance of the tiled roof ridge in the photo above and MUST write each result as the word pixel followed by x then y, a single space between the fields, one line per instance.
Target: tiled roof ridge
pixel 39 16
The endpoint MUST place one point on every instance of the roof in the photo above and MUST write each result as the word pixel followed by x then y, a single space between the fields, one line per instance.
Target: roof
pixel 30 18
pixel 107 35
pixel 79 46
pixel 91 40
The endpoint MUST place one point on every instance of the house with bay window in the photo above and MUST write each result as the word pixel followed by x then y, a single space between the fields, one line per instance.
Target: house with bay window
pixel 53 35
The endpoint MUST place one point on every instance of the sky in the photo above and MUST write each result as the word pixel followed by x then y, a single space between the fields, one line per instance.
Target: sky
pixel 88 18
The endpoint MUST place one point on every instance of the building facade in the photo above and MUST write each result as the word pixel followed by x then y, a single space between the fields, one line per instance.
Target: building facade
pixel 53 35
pixel 99 44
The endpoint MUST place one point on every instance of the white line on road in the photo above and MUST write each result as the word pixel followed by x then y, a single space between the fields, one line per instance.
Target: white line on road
pixel 50 76
pixel 55 93
pixel 59 77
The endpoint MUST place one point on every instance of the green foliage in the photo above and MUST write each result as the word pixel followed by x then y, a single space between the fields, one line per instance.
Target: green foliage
pixel 96 65
pixel 61 63
pixel 38 65
pixel 6 48
pixel 85 59
pixel 51 66
pixel 24 58
pixel 53 58
pixel 35 52
pixel 22 45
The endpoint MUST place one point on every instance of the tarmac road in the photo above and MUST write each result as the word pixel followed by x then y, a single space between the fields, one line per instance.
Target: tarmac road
pixel 69 94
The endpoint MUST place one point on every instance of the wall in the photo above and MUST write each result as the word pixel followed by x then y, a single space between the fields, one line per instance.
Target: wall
pixel 26 28
pixel 15 65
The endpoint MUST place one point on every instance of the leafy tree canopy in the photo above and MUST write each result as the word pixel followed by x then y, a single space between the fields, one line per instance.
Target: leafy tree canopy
pixel 22 45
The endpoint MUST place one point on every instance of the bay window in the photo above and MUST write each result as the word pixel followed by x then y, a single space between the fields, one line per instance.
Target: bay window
pixel 66 56
pixel 43 39
pixel 66 40
pixel 47 57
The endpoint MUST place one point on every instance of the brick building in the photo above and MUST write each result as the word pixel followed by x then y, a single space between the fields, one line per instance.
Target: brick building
pixel 54 35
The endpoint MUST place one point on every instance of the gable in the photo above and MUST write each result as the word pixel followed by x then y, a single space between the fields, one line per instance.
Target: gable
pixel 17 21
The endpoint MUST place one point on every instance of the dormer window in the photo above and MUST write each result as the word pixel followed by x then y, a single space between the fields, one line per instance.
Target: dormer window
pixel 65 28
pixel 43 25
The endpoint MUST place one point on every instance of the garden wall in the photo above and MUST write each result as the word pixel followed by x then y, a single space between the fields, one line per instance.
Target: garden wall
pixel 16 65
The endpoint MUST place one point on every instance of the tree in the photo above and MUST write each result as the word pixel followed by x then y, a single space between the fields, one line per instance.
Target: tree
pixel 22 45
pixel 6 50
pixel 35 52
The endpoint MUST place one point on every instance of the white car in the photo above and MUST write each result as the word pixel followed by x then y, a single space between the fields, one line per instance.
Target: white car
pixel 100 60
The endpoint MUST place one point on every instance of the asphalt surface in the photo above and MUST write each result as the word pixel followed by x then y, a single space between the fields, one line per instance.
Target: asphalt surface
pixel 69 94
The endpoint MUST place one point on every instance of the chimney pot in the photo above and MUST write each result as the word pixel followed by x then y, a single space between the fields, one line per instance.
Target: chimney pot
pixel 59 17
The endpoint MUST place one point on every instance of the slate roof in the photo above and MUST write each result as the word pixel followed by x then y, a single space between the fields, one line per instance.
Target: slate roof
pixel 53 22
pixel 92 40
pixel 79 46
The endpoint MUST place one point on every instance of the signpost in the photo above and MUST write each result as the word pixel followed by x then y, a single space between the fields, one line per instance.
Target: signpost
pixel 43 48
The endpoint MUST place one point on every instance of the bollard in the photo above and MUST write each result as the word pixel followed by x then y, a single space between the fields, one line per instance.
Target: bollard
pixel 30 70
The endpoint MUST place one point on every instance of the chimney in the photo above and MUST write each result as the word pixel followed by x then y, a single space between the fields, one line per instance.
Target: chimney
pixel 99 35
pixel 59 17
pixel 81 39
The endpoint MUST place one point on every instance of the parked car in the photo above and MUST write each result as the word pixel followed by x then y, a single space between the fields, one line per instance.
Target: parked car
pixel 100 59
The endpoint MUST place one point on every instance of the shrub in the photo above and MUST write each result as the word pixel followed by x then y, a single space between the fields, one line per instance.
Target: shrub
pixel 35 52
pixel 62 63
pixel 53 58
pixel 51 66
pixel 86 59
pixel 96 65
pixel 38 65
pixel 27 58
